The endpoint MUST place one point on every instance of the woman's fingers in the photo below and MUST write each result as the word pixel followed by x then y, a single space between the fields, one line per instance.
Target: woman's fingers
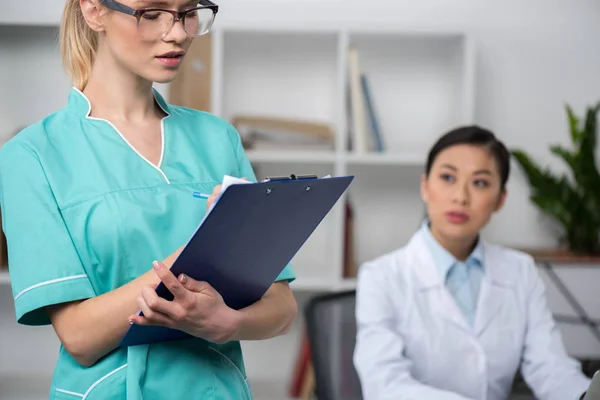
pixel 157 304
pixel 150 317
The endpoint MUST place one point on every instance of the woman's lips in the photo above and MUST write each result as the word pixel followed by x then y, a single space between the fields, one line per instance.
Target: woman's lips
pixel 457 217
pixel 170 61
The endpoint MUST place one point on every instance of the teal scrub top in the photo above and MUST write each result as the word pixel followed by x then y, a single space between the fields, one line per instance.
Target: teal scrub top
pixel 84 214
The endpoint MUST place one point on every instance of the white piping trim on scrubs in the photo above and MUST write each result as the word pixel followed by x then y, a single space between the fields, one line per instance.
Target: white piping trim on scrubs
pixel 162 134
pixel 101 379
pixel 50 282
pixel 69 393
pixel 235 366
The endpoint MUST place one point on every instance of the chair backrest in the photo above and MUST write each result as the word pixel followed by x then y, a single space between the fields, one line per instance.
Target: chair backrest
pixel 331 327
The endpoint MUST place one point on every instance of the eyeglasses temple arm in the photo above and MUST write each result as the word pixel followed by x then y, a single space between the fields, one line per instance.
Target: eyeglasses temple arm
pixel 116 6
pixel 206 3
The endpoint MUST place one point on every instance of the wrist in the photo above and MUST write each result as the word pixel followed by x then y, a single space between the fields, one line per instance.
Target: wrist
pixel 234 324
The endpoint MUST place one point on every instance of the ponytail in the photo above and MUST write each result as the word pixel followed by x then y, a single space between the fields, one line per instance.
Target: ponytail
pixel 78 44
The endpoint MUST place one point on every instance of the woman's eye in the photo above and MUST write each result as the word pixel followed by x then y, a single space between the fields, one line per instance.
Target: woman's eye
pixel 481 183
pixel 447 177
pixel 151 15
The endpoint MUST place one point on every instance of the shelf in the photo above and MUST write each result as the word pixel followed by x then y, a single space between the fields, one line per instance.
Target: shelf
pixel 284 74
pixel 290 156
pixel 347 284
pixel 395 159
pixel 387 207
pixel 416 158
pixel 310 284
pixel 421 85
pixel 321 285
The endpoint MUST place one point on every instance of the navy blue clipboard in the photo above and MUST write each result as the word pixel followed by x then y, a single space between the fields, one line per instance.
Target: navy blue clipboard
pixel 246 240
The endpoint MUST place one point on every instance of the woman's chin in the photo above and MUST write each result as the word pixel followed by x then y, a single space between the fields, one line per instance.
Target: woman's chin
pixel 459 231
pixel 164 76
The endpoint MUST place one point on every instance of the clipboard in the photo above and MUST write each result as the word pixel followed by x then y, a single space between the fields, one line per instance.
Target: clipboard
pixel 246 240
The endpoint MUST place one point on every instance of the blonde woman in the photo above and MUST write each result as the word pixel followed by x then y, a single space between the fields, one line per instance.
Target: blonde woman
pixel 94 193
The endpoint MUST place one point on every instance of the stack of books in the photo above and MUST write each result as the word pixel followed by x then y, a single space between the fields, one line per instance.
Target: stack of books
pixel 363 124
pixel 276 133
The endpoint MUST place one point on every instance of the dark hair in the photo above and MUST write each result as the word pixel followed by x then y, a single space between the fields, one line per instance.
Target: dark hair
pixel 477 136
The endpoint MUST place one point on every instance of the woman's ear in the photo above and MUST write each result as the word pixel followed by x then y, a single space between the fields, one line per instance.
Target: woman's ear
pixel 91 10
pixel 501 200
pixel 424 189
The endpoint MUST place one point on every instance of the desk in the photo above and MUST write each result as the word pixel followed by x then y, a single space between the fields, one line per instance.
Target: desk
pixel 548 259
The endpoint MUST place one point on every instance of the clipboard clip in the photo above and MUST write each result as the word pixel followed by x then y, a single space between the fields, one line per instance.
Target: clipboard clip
pixel 292 177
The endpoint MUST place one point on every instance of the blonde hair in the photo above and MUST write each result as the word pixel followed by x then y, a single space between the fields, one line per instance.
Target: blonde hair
pixel 78 44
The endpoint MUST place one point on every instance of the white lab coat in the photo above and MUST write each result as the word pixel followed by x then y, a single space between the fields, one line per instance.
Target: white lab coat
pixel 413 341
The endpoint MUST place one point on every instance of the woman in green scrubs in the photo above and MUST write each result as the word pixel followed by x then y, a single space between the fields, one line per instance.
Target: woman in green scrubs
pixel 93 194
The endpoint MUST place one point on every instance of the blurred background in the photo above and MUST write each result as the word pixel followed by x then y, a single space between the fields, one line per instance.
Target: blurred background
pixel 352 87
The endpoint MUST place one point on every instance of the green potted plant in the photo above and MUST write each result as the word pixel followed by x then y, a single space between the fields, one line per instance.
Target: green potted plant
pixel 572 200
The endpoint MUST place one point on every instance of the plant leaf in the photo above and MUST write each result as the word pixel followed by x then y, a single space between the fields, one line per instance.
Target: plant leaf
pixel 585 170
pixel 573 203
pixel 568 156
pixel 573 124
pixel 552 206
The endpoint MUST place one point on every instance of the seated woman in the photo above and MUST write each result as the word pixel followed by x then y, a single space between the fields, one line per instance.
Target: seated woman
pixel 450 316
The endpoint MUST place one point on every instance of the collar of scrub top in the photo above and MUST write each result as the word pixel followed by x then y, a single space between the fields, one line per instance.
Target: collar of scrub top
pixel 80 104
pixel 442 258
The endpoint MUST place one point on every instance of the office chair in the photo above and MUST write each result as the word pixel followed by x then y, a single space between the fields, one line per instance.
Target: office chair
pixel 331 329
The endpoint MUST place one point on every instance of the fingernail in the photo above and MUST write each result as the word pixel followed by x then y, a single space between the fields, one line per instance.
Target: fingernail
pixel 156 265
pixel 183 279
pixel 131 322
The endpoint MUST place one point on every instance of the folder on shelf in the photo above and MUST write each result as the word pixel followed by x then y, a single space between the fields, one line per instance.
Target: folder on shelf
pixel 246 239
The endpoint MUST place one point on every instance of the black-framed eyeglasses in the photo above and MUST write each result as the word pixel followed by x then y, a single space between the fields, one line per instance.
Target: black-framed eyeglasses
pixel 155 23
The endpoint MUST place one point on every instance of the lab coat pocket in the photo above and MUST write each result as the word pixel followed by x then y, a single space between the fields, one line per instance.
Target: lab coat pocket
pixel 229 380
pixel 111 386
pixel 504 348
pixel 62 394
pixel 416 349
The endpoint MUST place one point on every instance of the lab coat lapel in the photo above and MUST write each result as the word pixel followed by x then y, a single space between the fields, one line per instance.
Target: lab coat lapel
pixel 495 288
pixel 431 285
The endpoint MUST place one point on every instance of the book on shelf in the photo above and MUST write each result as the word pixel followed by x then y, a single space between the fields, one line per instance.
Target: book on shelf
pixel 375 138
pixel 309 384
pixel 303 380
pixel 278 133
pixel 364 131
pixel 350 266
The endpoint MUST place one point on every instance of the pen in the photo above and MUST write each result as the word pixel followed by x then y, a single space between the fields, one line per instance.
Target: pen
pixel 199 195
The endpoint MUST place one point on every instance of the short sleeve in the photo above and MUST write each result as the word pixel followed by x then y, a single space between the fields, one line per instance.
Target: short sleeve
pixel 246 171
pixel 44 266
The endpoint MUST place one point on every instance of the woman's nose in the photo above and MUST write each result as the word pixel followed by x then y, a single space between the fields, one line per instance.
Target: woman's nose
pixel 461 194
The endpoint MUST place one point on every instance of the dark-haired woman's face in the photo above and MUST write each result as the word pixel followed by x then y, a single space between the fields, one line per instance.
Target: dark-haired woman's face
pixel 462 191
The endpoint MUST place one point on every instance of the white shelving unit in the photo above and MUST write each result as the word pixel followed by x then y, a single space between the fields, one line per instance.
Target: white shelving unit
pixel 422 84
